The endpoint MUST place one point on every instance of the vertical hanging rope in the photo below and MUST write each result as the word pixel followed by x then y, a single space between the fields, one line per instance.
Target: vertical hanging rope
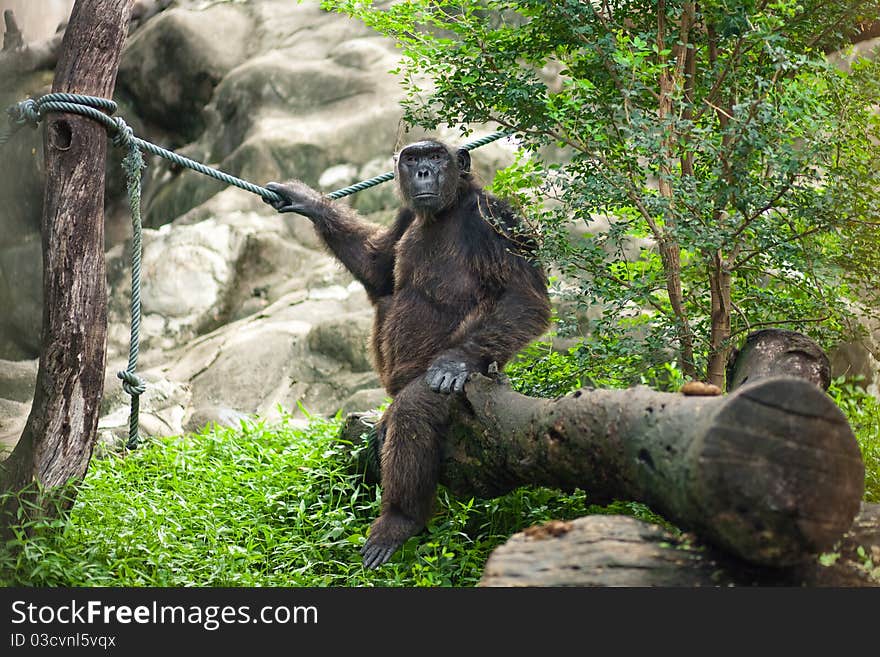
pixel 132 164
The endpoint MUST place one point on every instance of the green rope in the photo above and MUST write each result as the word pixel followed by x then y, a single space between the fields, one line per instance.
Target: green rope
pixel 19 115
pixel 132 164
pixel 32 111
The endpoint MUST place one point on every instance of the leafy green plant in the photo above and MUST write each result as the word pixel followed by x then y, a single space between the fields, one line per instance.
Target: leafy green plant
pixel 540 370
pixel 863 412
pixel 636 510
pixel 255 506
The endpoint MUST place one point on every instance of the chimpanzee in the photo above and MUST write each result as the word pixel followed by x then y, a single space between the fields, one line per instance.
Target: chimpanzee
pixel 455 286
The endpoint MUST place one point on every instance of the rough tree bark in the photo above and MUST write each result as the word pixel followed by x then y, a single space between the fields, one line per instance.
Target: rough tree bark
pixel 778 352
pixel 57 442
pixel 769 473
pixel 623 551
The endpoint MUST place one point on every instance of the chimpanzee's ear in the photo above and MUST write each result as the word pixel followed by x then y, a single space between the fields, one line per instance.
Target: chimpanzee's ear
pixel 464 160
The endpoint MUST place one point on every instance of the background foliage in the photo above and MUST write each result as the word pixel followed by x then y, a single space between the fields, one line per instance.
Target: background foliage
pixel 730 166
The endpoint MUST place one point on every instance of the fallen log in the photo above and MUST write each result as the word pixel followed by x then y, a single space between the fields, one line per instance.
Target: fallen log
pixel 622 551
pixel 770 472
pixel 778 352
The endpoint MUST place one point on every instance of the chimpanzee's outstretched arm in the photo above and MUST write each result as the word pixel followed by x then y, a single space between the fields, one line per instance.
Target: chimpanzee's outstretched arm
pixel 366 249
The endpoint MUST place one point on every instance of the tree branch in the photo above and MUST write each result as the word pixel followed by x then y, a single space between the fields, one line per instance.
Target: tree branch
pixel 778 322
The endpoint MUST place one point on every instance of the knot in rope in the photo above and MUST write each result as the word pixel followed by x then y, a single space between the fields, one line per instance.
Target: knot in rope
pixel 124 136
pixel 25 112
pixel 135 387
pixel 132 383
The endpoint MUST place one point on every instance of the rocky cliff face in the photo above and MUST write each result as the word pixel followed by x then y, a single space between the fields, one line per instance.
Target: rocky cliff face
pixel 244 312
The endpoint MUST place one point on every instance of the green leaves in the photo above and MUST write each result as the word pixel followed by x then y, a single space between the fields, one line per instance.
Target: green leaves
pixel 863 412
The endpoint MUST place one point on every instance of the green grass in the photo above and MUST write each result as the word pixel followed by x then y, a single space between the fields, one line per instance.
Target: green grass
pixel 257 506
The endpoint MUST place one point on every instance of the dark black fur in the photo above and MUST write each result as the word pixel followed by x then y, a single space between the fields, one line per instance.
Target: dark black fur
pixel 455 288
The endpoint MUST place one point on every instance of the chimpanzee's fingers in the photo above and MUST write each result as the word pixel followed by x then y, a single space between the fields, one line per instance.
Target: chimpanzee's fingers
pixel 446 385
pixel 433 379
pixel 274 187
pixel 374 555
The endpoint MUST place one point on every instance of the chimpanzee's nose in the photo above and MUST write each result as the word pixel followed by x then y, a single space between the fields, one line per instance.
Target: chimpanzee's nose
pixel 423 173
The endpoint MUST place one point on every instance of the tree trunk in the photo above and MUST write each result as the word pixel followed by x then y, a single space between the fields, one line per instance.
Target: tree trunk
pixel 670 256
pixel 719 281
pixel 770 472
pixel 623 551
pixel 670 252
pixel 57 442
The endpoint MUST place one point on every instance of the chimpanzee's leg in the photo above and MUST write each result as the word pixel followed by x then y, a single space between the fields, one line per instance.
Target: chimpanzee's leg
pixel 415 423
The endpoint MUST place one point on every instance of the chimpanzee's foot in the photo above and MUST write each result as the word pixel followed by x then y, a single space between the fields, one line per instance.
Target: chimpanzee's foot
pixel 388 533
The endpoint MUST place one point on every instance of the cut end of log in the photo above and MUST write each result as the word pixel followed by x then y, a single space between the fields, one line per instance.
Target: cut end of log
pixel 780 475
